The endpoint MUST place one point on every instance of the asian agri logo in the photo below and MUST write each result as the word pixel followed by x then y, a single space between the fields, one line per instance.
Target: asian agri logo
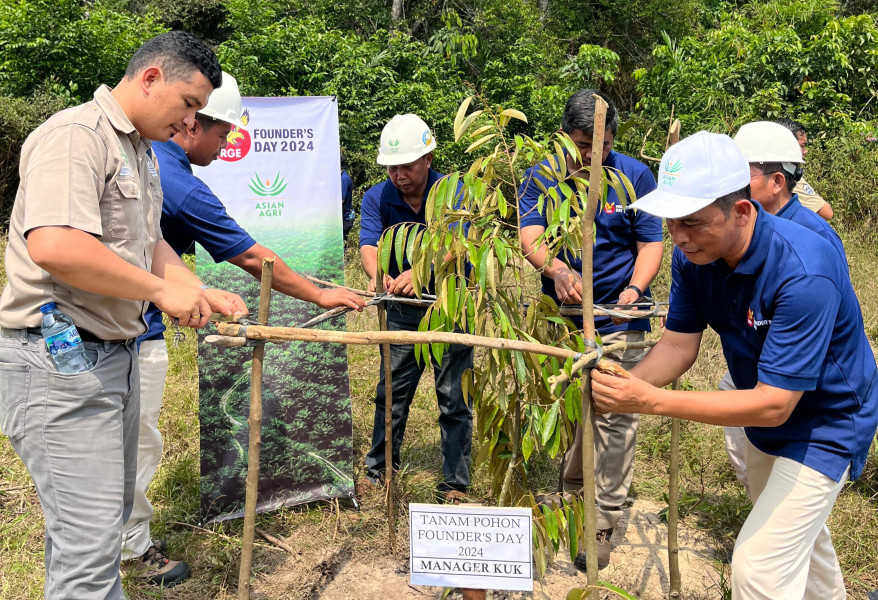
pixel 671 172
pixel 427 137
pixel 394 145
pixel 755 323
pixel 238 141
pixel 267 188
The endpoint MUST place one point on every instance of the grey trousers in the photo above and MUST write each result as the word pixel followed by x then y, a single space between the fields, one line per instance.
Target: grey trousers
pixel 77 436
pixel 615 435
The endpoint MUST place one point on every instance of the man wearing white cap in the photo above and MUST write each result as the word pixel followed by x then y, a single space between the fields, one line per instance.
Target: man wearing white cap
pixel 808 397
pixel 406 149
pixel 775 167
pixel 192 213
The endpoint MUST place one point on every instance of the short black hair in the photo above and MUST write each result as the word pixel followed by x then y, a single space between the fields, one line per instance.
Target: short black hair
pixel 794 126
pixel 579 113
pixel 178 54
pixel 344 161
pixel 776 167
pixel 725 203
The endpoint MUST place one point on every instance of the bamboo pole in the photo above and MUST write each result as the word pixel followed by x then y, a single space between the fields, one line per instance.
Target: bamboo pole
pixel 366 338
pixel 389 499
pixel 588 332
pixel 673 506
pixel 254 421
pixel 675 580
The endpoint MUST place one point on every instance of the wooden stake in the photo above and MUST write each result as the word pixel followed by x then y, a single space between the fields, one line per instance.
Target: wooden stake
pixel 588 332
pixel 389 498
pixel 254 421
pixel 674 468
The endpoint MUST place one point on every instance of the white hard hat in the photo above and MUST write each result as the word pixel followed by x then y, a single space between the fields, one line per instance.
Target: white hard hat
pixel 768 142
pixel 405 139
pixel 693 174
pixel 225 103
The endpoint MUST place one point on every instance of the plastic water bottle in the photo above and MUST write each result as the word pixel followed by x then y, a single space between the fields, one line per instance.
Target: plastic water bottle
pixel 63 341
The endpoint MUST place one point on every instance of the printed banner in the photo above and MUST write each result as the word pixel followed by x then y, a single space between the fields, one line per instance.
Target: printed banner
pixel 280 180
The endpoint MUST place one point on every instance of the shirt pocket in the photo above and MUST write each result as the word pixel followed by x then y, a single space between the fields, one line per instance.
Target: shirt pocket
pixel 14 389
pixel 126 210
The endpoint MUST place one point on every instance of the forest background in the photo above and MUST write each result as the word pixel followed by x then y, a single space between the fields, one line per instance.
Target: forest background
pixel 716 64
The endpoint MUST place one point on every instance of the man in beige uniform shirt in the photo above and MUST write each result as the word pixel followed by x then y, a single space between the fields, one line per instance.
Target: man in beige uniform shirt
pixel 84 233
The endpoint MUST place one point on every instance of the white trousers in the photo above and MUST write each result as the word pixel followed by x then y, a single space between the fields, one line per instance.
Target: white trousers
pixel 784 550
pixel 153 362
pixel 736 439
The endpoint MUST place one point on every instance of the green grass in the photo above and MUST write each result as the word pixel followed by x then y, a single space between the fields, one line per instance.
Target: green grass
pixel 320 533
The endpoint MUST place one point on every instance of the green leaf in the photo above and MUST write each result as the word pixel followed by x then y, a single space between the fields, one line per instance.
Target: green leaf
pixel 501 203
pixel 550 420
pixel 527 444
pixel 612 588
pixel 399 245
pixel 481 142
pixel 385 246
pixel 481 130
pixel 458 119
pixel 514 114
pixel 467 122
pixel 572 533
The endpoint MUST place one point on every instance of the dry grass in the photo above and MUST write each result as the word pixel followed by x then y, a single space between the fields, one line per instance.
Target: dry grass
pixel 327 535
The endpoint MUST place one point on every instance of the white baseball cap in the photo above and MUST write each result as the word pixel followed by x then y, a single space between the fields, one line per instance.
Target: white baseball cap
pixel 694 173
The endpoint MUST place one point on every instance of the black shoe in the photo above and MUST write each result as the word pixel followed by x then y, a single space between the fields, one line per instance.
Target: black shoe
pixel 154 568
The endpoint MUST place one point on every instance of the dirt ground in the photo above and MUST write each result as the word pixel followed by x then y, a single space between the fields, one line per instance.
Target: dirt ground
pixel 639 565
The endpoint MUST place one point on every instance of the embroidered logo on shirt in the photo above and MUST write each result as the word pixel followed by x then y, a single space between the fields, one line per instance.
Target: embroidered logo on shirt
pixel 808 189
pixel 126 172
pixel 151 167
pixel 611 208
pixel 755 323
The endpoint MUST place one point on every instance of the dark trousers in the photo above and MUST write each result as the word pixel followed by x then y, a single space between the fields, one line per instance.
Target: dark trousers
pixel 455 411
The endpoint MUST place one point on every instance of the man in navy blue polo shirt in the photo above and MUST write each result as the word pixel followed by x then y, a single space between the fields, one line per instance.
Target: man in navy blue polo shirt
pixel 406 149
pixel 775 166
pixel 627 257
pixel 806 377
pixel 192 213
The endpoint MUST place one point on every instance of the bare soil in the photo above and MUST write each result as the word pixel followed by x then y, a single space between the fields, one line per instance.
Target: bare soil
pixel 638 564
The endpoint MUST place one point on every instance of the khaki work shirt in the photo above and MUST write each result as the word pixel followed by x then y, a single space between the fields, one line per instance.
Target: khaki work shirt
pixel 807 196
pixel 87 168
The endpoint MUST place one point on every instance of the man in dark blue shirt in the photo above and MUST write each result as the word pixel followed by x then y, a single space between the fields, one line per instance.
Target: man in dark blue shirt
pixel 406 149
pixel 627 257
pixel 775 166
pixel 192 213
pixel 806 377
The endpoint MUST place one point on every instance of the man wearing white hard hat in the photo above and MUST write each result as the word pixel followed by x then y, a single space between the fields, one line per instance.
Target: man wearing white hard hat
pixel 775 167
pixel 191 213
pixel 406 149
pixel 808 383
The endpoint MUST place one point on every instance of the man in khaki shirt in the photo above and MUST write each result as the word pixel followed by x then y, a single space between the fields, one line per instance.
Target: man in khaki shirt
pixel 84 233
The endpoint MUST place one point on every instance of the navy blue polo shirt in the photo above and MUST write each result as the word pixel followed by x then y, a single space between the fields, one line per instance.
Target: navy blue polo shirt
pixel 383 207
pixel 347 196
pixel 616 235
pixel 795 212
pixel 788 317
pixel 191 213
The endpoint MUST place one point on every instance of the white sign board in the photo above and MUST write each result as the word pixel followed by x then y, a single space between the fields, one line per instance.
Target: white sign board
pixel 476 547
